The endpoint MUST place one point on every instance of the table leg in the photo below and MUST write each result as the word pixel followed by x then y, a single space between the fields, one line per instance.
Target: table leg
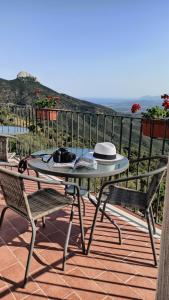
pixel 80 215
pixel 81 225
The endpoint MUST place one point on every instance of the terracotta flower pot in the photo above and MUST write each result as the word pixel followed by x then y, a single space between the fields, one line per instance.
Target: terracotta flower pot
pixel 155 128
pixel 46 114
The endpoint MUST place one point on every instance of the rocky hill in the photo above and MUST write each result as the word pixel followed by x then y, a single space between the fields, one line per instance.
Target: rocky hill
pixel 21 91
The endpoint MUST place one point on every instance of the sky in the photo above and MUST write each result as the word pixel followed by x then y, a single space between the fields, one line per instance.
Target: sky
pixel 88 48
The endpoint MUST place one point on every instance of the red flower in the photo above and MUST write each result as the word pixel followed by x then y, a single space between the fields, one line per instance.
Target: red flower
pixel 37 91
pixel 135 107
pixel 165 96
pixel 49 97
pixel 57 98
pixel 166 104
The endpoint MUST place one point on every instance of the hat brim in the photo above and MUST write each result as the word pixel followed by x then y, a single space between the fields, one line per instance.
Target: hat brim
pixel 107 161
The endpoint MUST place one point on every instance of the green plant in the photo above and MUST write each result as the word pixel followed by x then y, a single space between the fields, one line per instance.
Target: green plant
pixel 6 117
pixel 46 102
pixel 155 112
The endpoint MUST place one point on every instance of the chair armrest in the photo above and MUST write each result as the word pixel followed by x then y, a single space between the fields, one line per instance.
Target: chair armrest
pixel 40 180
pixel 15 165
pixel 6 164
pixel 51 181
pixel 147 158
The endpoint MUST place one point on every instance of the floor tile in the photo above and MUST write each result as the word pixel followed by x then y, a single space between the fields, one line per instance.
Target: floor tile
pixel 3 284
pixel 111 271
pixel 83 286
pixel 37 295
pixel 6 294
pixel 114 287
pixel 14 276
pixel 143 286
pixel 52 283
pixel 88 265
pixel 37 261
pixel 73 296
pixel 7 257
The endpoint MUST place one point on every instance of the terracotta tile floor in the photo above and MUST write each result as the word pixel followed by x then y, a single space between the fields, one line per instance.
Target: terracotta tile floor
pixel 111 271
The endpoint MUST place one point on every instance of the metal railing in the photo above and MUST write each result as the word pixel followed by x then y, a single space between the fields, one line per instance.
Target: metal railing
pixel 83 129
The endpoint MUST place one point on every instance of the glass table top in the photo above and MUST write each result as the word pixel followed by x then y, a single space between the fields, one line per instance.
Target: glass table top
pixel 110 168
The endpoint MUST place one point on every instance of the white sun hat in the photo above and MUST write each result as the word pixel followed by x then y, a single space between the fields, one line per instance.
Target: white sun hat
pixel 106 152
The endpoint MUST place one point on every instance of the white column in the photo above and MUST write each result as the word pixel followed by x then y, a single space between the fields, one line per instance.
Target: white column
pixel 163 271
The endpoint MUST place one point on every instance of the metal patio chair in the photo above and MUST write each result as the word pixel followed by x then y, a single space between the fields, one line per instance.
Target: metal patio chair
pixel 37 205
pixel 112 193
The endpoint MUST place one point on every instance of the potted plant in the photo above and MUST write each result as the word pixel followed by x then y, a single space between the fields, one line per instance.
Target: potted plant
pixel 46 107
pixel 155 121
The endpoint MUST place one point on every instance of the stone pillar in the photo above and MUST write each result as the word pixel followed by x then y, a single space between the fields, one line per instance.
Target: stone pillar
pixel 163 271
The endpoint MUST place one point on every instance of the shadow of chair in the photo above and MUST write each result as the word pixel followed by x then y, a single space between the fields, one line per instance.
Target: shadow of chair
pixel 111 192
pixel 37 205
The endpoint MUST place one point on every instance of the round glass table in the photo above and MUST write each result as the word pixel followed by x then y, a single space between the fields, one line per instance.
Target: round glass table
pixel 12 130
pixel 103 169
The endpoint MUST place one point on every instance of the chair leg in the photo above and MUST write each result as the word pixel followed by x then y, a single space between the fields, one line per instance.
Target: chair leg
pixel 43 221
pixel 115 224
pixel 67 239
pixel 152 220
pixel 30 253
pixel 81 226
pixel 103 211
pixel 84 207
pixel 3 214
pixel 151 238
pixel 93 228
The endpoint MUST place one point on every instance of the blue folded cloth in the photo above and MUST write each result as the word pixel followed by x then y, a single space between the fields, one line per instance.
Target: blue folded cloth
pixel 86 161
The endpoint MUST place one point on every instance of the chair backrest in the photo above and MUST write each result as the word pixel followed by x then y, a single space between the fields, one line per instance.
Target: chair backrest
pixel 3 148
pixel 156 180
pixel 13 190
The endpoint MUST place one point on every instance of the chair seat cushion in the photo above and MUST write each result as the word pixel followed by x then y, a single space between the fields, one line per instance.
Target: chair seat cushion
pixel 46 201
pixel 127 197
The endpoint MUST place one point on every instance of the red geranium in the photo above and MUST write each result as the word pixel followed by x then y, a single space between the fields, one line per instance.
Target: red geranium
pixel 37 91
pixel 49 97
pixel 165 96
pixel 166 104
pixel 135 107
pixel 57 98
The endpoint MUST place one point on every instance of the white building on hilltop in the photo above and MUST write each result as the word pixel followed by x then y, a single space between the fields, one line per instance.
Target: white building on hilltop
pixel 26 76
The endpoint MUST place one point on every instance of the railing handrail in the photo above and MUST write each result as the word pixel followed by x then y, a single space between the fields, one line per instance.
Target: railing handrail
pixel 75 128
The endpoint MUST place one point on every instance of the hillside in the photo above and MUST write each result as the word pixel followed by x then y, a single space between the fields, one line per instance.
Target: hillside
pixel 21 91
pixel 123 105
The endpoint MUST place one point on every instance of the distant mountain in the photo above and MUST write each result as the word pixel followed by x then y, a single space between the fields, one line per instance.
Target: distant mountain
pixel 123 105
pixel 21 91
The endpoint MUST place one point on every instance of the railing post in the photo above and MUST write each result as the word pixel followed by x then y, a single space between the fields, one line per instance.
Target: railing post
pixel 72 132
pixel 121 133
pixel 77 129
pixel 90 134
pixel 97 127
